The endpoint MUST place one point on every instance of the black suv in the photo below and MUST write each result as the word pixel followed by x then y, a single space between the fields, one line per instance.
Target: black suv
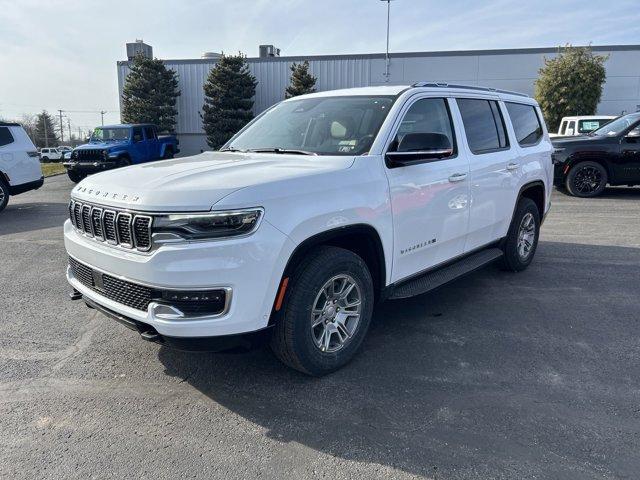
pixel 609 155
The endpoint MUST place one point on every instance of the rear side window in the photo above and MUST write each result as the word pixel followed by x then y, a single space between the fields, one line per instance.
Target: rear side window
pixel 563 127
pixel 5 136
pixel 483 125
pixel 525 123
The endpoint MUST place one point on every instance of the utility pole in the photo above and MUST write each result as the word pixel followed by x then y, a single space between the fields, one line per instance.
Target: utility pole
pixel 61 127
pixel 386 70
pixel 102 112
pixel 69 127
pixel 46 134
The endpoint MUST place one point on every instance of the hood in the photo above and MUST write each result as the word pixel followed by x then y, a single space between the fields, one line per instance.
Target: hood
pixel 197 183
pixel 99 145
pixel 579 140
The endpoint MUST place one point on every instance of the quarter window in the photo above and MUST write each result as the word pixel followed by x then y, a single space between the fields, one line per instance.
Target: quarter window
pixel 427 115
pixel 525 123
pixel 483 125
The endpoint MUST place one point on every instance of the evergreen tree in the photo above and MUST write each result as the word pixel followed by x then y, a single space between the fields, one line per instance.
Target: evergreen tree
pixel 570 84
pixel 150 93
pixel 228 99
pixel 45 131
pixel 301 80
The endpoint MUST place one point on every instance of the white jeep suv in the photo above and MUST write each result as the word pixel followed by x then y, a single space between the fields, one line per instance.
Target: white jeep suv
pixel 321 206
pixel 20 169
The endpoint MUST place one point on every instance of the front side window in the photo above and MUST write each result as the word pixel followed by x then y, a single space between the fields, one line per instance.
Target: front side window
pixel 588 126
pixel 526 123
pixel 428 116
pixel 317 126
pixel 483 124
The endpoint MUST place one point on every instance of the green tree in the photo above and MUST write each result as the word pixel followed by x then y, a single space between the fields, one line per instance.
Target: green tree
pixel 45 131
pixel 150 93
pixel 570 84
pixel 228 99
pixel 301 80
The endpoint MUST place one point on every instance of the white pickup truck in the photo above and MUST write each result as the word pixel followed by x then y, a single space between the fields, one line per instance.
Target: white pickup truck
pixel 320 207
pixel 581 125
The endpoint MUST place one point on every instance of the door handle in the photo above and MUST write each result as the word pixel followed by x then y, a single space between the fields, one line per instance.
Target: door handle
pixel 512 166
pixel 457 177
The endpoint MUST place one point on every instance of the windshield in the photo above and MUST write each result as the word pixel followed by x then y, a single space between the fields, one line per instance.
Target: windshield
pixel 105 134
pixel 321 126
pixel 616 127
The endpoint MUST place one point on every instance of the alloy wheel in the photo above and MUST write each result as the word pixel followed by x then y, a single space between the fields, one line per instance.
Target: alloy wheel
pixel 587 180
pixel 526 236
pixel 335 314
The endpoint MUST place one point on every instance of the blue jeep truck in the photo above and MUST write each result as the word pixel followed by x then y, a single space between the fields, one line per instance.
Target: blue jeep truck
pixel 115 146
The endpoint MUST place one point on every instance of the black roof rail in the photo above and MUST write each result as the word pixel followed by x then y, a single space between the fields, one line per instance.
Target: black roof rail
pixel 467 87
pixel 9 124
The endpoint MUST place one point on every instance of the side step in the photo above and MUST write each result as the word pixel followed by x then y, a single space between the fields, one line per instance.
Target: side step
pixel 439 277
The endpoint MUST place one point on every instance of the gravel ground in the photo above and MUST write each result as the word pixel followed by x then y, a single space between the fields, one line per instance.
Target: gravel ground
pixel 497 375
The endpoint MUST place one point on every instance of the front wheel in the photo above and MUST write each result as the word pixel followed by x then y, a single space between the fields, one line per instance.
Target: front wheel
pixel 4 194
pixel 168 153
pixel 586 179
pixel 76 177
pixel 522 238
pixel 327 312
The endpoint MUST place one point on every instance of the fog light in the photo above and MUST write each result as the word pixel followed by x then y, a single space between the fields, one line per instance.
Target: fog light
pixel 197 302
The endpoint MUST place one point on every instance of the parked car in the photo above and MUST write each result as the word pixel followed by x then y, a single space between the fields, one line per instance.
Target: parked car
pixel 19 163
pixel 584 166
pixel 52 154
pixel 581 125
pixel 117 146
pixel 321 206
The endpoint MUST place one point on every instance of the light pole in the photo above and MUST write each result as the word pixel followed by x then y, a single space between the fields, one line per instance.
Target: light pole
pixel 386 70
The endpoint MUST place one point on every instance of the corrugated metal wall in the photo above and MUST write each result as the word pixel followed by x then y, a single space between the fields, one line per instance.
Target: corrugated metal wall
pixel 507 69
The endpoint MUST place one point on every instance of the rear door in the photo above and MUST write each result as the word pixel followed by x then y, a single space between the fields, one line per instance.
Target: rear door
pixel 153 146
pixel 139 146
pixel 494 169
pixel 429 199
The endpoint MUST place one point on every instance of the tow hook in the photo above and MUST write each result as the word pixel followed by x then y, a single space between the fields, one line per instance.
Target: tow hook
pixel 75 295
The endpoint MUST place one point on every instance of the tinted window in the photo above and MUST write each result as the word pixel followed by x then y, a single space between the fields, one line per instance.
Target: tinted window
pixel 563 127
pixel 149 133
pixel 5 136
pixel 525 123
pixel 483 124
pixel 428 115
pixel 137 134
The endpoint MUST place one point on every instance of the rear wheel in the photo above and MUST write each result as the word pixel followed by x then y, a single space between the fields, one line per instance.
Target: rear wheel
pixel 586 179
pixel 4 194
pixel 327 313
pixel 522 239
pixel 168 153
pixel 76 176
pixel 124 162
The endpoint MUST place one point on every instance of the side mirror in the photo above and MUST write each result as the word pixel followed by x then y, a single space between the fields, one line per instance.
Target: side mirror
pixel 635 133
pixel 419 147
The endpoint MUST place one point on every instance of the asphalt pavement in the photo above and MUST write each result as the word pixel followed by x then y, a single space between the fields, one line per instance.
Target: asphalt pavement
pixel 497 375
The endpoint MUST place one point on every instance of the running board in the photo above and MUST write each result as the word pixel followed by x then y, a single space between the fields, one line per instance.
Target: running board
pixel 439 277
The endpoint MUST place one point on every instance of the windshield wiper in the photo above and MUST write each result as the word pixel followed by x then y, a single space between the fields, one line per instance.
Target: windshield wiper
pixel 231 149
pixel 281 151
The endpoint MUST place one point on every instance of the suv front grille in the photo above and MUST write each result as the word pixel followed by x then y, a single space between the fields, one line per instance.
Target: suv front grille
pixel 113 226
pixel 93 154
pixel 133 295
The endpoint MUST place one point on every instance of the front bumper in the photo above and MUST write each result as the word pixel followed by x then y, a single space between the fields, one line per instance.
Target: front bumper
pixel 90 167
pixel 251 267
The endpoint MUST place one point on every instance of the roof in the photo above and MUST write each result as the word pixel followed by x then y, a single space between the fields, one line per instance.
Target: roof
pixel 127 125
pixel 443 53
pixel 587 117
pixel 9 124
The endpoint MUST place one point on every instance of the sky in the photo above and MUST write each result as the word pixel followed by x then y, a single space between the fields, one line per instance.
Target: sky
pixel 62 54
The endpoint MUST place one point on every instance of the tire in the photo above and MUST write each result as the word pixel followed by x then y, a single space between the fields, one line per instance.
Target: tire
pixel 124 162
pixel 586 180
pixel 45 159
pixel 168 153
pixel 76 177
pixel 524 230
pixel 4 194
pixel 295 341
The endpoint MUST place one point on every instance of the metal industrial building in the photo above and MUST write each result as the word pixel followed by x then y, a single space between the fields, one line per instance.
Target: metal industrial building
pixel 515 69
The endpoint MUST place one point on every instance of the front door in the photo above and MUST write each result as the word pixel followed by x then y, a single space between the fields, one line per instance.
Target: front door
pixel 430 199
pixel 629 165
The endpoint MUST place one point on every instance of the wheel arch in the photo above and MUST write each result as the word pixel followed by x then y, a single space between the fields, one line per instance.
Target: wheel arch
pixel 535 191
pixel 361 239
pixel 575 160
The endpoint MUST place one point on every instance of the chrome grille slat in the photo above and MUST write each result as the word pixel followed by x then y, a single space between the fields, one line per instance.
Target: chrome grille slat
pixel 113 226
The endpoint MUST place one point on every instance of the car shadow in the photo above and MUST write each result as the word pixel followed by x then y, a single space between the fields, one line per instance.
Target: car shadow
pixel 495 374
pixel 27 217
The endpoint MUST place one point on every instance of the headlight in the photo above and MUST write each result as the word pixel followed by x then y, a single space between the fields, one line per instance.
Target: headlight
pixel 204 226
